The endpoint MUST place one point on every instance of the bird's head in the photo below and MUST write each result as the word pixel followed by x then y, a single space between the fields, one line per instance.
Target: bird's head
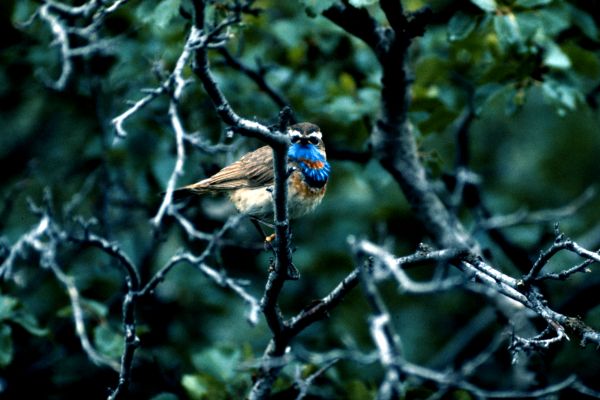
pixel 308 151
pixel 306 137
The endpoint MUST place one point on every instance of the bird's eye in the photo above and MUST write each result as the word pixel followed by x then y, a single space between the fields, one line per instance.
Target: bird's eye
pixel 313 139
pixel 295 139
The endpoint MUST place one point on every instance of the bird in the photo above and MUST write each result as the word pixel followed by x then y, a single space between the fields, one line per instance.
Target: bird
pixel 249 181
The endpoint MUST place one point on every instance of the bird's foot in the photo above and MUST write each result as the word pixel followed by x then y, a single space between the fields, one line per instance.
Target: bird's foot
pixel 292 273
pixel 270 242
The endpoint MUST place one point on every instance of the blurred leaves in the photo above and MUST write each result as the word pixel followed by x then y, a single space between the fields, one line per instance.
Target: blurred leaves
pixel 485 5
pixel 563 97
pixel 218 375
pixel 532 3
pixel 507 30
pixel 220 362
pixel 315 7
pixel 525 66
pixel 108 341
pixel 6 345
pixel 362 3
pixel 460 26
pixel 159 15
pixel 11 314
pixel 165 396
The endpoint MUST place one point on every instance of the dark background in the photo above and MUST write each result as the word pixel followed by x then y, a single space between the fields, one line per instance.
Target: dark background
pixel 533 144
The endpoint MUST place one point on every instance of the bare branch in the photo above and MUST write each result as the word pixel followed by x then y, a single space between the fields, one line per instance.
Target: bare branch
pixel 386 340
pixel 561 243
pixel 490 277
pixel 45 239
pixel 393 265
pixel 279 142
pixel 273 359
pixel 119 120
pixel 85 21
pixel 357 22
pixel 31 239
pixel 321 308
pixel 258 76
pixel 200 263
pixel 75 298
pixel 304 384
pixel 128 308
pixel 523 217
pixel 61 38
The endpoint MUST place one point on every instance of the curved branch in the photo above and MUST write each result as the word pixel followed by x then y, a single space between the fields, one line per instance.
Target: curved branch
pixel 258 76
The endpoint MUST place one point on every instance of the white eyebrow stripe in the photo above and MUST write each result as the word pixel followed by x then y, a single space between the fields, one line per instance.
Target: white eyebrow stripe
pixel 295 133
pixel 316 134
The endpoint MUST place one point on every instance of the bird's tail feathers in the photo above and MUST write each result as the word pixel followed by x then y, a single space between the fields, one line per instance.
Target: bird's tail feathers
pixel 186 192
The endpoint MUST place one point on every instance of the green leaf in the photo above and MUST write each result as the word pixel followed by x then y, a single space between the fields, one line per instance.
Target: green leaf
pixel 529 24
pixel 362 3
pixel 316 7
pixel 93 307
pixel 108 341
pixel 585 22
pixel 23 10
pixel 431 70
pixel 507 29
pixel 492 94
pixel 460 26
pixel 564 97
pixel 532 3
pixel 584 61
pixel 97 308
pixel 203 387
pixel 486 5
pixel 357 390
pixel 6 345
pixel 10 312
pixel 165 12
pixel 165 396
pixel 220 363
pixel 553 20
pixel 30 324
pixel 161 15
pixel 352 108
pixel 437 121
pixel 554 57
pixel 7 307
pixel 288 33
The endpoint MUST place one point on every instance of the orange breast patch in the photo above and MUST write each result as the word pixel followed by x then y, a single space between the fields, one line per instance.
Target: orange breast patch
pixel 302 189
pixel 315 164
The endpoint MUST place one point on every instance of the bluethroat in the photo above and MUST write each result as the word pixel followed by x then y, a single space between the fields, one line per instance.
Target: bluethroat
pixel 249 181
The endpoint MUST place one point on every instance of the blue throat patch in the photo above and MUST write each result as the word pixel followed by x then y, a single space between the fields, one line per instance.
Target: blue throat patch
pixel 305 155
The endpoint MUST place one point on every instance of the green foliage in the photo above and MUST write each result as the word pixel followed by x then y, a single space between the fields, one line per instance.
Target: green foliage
pixel 460 26
pixel 165 396
pixel 362 3
pixel 315 7
pixel 108 341
pixel 6 345
pixel 527 67
pixel 159 16
pixel 217 374
pixel 12 314
pixel 486 5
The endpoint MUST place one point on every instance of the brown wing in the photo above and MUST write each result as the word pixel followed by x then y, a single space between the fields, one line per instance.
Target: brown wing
pixel 254 169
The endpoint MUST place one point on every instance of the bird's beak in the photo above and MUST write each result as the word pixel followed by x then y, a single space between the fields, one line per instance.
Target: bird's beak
pixel 304 141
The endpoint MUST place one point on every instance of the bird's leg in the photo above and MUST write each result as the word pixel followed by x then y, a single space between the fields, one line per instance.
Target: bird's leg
pixel 292 271
pixel 267 239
